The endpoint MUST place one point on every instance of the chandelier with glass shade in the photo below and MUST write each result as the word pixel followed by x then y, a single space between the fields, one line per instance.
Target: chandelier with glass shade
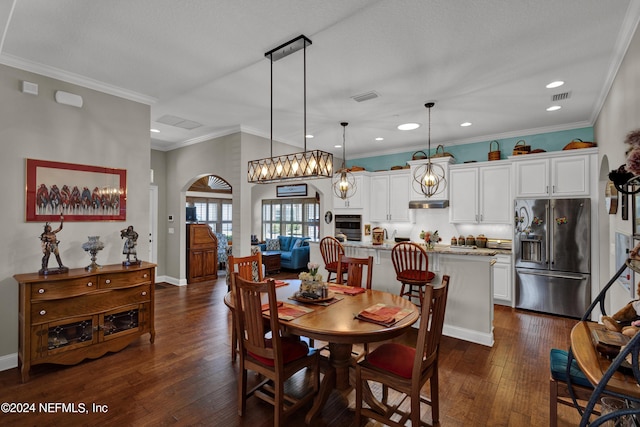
pixel 429 178
pixel 344 183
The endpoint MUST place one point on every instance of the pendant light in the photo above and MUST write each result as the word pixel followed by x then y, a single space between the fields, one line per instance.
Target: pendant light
pixel 344 183
pixel 429 178
pixel 304 165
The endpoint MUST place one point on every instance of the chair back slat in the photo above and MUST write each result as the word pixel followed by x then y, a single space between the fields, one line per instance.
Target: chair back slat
pixel 330 249
pixel 431 323
pixel 355 271
pixel 247 266
pixel 409 256
pixel 251 327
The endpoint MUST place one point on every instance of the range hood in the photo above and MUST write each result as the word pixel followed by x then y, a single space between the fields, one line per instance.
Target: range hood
pixel 428 204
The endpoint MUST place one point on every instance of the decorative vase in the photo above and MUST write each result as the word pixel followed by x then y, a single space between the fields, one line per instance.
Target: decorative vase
pixel 93 245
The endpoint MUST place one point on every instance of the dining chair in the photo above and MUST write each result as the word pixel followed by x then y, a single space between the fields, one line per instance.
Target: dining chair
pixel 276 358
pixel 558 387
pixel 411 263
pixel 331 249
pixel 407 369
pixel 354 268
pixel 249 268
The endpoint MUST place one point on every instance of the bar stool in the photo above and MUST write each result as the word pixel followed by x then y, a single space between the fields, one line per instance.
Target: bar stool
pixel 331 250
pixel 412 269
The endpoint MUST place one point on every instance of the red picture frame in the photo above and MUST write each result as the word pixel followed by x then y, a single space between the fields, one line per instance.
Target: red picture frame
pixel 79 192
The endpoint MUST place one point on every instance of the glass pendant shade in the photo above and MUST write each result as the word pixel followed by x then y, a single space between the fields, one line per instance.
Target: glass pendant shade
pixel 429 178
pixel 344 183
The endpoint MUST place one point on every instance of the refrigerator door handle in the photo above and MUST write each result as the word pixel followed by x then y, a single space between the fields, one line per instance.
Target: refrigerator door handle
pixel 549 211
pixel 554 274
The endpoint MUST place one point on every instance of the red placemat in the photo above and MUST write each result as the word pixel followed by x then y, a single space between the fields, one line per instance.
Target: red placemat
pixel 346 290
pixel 383 314
pixel 280 283
pixel 290 311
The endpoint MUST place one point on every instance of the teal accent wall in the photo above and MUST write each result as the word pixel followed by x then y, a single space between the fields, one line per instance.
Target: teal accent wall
pixel 478 151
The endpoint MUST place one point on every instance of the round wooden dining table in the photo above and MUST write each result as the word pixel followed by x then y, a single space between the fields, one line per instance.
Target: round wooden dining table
pixel 338 326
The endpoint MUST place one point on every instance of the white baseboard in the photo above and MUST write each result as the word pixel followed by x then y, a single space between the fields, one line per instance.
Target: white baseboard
pixel 171 280
pixel 8 361
pixel 468 335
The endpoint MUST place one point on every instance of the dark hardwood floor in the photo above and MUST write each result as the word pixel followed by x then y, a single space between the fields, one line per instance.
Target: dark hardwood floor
pixel 187 378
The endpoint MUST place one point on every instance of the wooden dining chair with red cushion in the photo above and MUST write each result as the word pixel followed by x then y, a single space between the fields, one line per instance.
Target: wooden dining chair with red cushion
pixel 354 269
pixel 276 359
pixel 411 263
pixel 249 268
pixel 331 249
pixel 407 369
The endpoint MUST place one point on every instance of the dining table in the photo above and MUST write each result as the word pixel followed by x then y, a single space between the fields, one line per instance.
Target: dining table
pixel 335 321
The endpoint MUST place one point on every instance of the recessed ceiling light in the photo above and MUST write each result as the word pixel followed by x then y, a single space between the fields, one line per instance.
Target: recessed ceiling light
pixel 409 126
pixel 554 108
pixel 555 84
pixel 308 136
pixel 379 139
pixel 465 124
pixel 337 146
pixel 155 130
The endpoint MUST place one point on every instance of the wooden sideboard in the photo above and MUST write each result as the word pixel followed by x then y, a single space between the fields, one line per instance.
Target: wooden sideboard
pixel 66 318
pixel 202 253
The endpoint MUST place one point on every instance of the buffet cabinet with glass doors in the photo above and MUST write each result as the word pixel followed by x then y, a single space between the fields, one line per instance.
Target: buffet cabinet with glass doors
pixel 66 318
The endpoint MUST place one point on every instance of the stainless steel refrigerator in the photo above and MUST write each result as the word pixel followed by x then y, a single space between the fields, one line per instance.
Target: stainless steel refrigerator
pixel 552 248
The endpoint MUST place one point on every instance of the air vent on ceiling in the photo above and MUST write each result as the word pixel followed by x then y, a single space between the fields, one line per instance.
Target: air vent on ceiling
pixel 561 96
pixel 365 96
pixel 176 121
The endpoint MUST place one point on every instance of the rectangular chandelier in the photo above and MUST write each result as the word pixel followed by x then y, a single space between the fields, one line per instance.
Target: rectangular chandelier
pixel 307 164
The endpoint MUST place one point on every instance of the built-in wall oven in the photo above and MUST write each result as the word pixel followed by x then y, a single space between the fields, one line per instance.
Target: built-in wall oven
pixel 350 226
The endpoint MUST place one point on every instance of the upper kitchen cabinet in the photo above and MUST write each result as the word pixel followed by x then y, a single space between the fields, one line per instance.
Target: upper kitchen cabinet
pixel 415 193
pixel 390 196
pixel 358 200
pixel 557 174
pixel 480 194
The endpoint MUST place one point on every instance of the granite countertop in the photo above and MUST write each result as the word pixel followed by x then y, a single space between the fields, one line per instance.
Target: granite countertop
pixel 439 249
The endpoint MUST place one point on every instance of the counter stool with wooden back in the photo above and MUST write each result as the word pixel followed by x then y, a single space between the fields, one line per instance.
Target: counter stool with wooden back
pixel 331 249
pixel 412 269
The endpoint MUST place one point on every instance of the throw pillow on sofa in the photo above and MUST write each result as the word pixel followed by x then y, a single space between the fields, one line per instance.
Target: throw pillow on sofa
pixel 273 244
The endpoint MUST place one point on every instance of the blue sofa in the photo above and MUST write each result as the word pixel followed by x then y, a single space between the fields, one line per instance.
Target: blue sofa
pixel 294 251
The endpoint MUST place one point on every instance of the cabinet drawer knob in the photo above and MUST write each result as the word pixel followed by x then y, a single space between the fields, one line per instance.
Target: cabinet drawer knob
pixel 107 281
pixel 43 312
pixel 145 275
pixel 41 291
pixel 144 293
pixel 90 284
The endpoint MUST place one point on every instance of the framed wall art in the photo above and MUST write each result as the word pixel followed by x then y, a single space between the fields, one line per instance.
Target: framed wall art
pixel 79 192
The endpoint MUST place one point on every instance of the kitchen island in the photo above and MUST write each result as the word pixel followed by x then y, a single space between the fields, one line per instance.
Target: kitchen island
pixel 469 314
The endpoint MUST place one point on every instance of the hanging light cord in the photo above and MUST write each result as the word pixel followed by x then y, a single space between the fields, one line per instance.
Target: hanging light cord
pixel 344 139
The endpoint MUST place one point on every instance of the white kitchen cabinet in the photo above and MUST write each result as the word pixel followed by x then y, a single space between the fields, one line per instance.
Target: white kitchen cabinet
pixel 558 174
pixel 480 194
pixel 358 200
pixel 501 279
pixel 390 196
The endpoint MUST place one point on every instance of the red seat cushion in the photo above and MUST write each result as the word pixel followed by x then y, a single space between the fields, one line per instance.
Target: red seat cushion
pixel 292 349
pixel 392 357
pixel 416 275
pixel 332 266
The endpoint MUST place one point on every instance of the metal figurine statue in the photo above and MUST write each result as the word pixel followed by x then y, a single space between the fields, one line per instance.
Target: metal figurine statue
pixel 130 244
pixel 50 242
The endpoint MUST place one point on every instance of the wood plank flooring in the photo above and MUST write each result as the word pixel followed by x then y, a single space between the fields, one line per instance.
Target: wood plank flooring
pixel 186 377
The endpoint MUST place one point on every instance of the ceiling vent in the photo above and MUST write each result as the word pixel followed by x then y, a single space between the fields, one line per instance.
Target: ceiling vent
pixel 365 96
pixel 560 96
pixel 179 122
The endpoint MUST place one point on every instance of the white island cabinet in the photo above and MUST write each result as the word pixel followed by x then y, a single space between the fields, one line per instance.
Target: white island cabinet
pixel 469 314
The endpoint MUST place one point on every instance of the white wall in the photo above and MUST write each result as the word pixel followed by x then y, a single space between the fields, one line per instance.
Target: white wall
pixel 620 115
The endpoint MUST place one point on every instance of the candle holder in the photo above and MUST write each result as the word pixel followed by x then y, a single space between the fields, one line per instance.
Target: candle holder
pixel 93 245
